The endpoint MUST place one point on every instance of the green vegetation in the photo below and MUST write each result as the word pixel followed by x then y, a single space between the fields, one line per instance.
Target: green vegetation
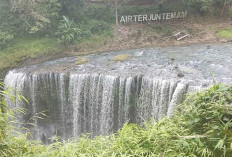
pixel 225 33
pixel 61 23
pixel 27 48
pixel 29 29
pixel 214 7
pixel 81 60
pixel 68 20
pixel 201 127
pixel 121 57
pixel 68 31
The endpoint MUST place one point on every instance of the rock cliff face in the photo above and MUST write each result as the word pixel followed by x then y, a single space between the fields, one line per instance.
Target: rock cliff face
pixel 101 95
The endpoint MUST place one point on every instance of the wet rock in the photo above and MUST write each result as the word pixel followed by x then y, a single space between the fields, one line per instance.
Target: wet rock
pixel 171 61
pixel 176 66
pixel 204 85
pixel 180 75
pixel 188 70
pixel 138 54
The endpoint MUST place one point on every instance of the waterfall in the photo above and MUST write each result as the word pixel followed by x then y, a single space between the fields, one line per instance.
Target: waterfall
pixel 14 82
pixel 98 104
pixel 100 96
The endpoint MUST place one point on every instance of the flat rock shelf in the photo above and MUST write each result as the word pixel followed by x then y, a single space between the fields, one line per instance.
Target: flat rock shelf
pixel 102 94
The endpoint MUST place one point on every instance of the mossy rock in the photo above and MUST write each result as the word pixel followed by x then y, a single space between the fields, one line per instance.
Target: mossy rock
pixel 121 57
pixel 225 33
pixel 81 60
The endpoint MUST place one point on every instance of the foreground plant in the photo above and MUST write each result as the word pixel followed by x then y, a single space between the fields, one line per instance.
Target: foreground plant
pixel 201 127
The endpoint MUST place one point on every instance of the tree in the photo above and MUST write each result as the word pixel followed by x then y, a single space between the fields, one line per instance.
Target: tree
pixel 206 6
pixel 71 6
pixel 37 14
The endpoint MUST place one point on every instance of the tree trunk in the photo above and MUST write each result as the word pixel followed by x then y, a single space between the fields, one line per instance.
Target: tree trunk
pixel 224 5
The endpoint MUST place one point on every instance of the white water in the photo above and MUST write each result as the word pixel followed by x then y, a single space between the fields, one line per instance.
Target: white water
pixel 92 103
pixel 101 95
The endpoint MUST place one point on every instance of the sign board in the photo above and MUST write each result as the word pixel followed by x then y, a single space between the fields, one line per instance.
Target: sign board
pixel 153 17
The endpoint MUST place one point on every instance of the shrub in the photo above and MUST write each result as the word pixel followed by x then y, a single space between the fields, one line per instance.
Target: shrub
pixel 37 15
pixel 67 31
pixel 201 127
pixel 5 38
pixel 10 24
pixel 99 13
pixel 98 27
pixel 209 113
pixel 206 6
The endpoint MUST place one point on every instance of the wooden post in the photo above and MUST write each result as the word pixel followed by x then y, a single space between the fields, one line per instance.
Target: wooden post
pixel 116 12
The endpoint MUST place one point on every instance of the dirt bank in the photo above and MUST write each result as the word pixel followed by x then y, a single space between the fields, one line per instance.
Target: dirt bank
pixel 159 35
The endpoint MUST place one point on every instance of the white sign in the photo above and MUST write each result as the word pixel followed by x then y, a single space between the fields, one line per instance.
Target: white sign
pixel 153 17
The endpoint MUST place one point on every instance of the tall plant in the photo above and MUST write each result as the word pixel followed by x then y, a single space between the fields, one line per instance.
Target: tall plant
pixel 67 31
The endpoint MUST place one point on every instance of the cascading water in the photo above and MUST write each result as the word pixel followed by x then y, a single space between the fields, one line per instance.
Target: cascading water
pixel 98 98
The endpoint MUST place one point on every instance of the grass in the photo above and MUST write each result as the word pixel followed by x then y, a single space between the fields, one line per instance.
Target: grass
pixel 121 57
pixel 225 33
pixel 27 48
pixel 96 41
pixel 81 60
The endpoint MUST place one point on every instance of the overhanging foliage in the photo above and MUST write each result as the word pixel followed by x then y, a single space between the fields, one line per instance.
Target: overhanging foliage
pixel 201 127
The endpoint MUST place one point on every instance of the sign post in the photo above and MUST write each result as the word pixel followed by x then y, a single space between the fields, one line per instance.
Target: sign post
pixel 116 12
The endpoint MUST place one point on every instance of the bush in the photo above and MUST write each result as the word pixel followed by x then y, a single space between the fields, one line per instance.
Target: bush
pixel 37 15
pixel 201 127
pixel 98 27
pixel 204 6
pixel 209 114
pixel 10 24
pixel 99 13
pixel 207 6
pixel 67 31
pixel 5 38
